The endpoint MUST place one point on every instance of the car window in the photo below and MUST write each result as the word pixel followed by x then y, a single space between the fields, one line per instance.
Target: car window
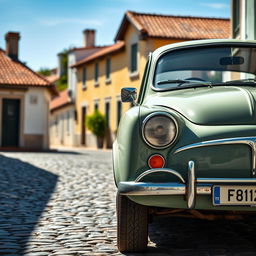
pixel 205 64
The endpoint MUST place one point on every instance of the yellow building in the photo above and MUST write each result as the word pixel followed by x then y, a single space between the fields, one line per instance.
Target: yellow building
pixel 101 75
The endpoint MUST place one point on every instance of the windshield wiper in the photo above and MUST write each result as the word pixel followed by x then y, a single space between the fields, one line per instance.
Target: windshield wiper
pixel 244 81
pixel 174 81
pixel 180 82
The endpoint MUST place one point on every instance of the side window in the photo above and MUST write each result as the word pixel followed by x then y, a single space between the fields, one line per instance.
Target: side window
pixel 134 58
pixel 144 80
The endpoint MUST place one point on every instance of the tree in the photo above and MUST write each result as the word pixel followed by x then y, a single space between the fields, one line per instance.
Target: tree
pixel 44 71
pixel 62 83
pixel 96 123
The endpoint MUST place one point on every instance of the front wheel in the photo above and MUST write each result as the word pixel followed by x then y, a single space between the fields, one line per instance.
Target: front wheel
pixel 132 225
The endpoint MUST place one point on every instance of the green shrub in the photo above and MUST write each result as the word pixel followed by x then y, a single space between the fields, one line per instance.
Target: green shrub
pixel 96 123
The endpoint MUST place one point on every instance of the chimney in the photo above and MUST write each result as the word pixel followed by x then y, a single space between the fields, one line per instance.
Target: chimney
pixel 89 37
pixel 12 45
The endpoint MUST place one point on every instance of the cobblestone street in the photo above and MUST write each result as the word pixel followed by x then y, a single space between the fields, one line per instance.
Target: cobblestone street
pixel 64 204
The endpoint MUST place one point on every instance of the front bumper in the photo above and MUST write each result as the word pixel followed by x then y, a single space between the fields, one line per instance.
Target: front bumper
pixel 190 189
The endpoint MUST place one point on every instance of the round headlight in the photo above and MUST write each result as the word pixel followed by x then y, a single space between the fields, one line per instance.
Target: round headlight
pixel 159 130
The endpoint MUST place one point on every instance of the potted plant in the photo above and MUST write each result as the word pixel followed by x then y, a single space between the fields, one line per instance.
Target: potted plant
pixel 96 123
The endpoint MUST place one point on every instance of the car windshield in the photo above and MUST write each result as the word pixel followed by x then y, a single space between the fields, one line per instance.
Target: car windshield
pixel 205 66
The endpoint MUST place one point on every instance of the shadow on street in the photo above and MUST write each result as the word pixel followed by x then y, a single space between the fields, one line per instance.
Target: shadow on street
pixel 24 193
pixel 179 236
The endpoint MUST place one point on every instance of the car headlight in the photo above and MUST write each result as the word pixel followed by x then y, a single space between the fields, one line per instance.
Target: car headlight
pixel 159 130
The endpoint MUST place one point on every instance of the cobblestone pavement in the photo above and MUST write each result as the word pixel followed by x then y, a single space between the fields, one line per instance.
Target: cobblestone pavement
pixel 64 204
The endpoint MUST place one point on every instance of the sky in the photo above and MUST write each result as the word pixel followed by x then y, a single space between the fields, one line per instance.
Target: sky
pixel 49 26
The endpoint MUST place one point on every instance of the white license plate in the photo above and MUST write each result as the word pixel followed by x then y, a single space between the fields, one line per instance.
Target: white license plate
pixel 234 195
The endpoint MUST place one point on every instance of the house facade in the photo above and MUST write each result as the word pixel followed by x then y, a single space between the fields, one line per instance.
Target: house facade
pixel 101 75
pixel 24 101
pixel 62 120
pixel 63 115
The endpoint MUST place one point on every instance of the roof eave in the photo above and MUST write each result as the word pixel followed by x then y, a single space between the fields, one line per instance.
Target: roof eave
pixel 80 63
pixel 61 106
pixel 128 18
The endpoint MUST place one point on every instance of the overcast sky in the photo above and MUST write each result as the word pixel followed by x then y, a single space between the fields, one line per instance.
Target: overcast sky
pixel 49 26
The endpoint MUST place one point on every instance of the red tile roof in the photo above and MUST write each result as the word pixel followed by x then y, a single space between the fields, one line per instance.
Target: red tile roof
pixel 85 48
pixel 103 52
pixel 61 100
pixel 18 74
pixel 175 27
pixel 52 78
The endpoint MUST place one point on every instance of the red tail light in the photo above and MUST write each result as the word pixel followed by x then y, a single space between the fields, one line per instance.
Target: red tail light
pixel 156 161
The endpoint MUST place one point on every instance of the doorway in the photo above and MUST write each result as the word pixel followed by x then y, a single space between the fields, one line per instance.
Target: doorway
pixel 83 127
pixel 10 122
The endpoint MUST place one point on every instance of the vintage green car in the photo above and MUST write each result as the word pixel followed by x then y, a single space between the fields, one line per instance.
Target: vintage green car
pixel 189 143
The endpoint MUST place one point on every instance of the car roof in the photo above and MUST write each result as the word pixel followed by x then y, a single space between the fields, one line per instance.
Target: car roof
pixel 199 43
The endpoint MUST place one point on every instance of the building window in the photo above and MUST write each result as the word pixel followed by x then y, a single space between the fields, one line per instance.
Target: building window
pixel 84 78
pixel 119 111
pixel 107 112
pixel 134 58
pixel 96 106
pixel 56 125
pixel 96 73
pixel 68 122
pixel 236 18
pixel 108 69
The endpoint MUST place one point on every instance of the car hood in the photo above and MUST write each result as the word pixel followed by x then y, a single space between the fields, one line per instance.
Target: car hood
pixel 223 105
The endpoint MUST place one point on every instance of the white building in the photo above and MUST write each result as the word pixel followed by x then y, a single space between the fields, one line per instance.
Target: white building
pixel 24 101
pixel 62 120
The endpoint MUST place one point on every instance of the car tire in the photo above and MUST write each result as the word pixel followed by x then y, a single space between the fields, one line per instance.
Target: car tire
pixel 132 225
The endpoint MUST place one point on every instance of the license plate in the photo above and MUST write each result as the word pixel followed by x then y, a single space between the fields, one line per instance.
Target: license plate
pixel 234 195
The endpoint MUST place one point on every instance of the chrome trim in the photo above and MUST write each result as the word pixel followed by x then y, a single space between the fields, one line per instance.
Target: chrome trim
pixel 142 175
pixel 191 200
pixel 143 188
pixel 159 113
pixel 156 155
pixel 250 141
pixel 226 180
pixel 155 189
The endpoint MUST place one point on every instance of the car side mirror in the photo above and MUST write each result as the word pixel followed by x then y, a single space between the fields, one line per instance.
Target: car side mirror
pixel 129 94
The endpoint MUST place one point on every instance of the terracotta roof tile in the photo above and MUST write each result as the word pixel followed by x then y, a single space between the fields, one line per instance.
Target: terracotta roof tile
pixel 176 27
pixel 52 78
pixel 61 100
pixel 18 74
pixel 106 50
pixel 85 48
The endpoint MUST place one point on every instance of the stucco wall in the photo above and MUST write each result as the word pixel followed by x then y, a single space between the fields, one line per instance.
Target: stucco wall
pixel 62 126
pixel 120 77
pixel 35 119
pixel 34 114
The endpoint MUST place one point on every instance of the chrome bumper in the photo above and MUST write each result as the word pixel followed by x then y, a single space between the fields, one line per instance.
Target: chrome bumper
pixel 193 187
